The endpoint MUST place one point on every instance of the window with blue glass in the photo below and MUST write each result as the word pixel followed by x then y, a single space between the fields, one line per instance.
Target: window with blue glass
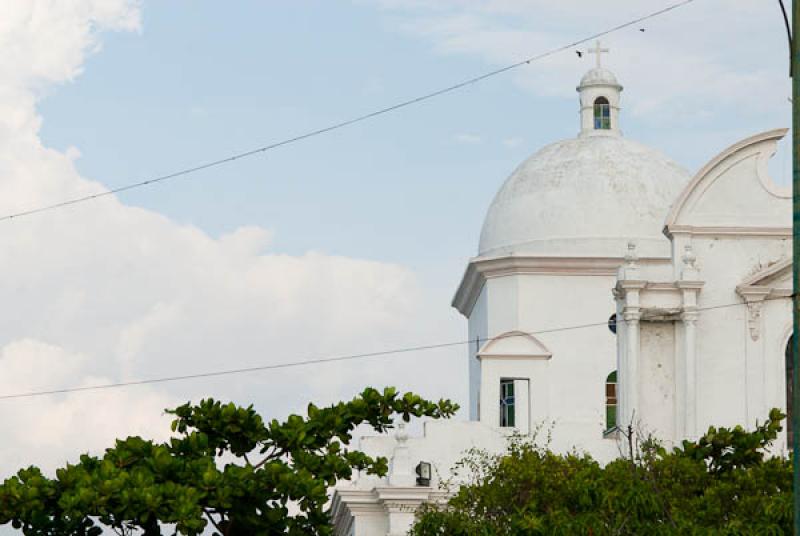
pixel 602 114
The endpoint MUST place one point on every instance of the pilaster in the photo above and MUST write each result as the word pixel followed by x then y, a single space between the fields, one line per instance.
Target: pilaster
pixel 628 290
pixel 689 402
pixel 689 285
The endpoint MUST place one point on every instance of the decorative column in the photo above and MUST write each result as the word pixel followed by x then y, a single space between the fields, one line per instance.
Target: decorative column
pixel 690 286
pixel 631 315
pixel 629 287
pixel 689 318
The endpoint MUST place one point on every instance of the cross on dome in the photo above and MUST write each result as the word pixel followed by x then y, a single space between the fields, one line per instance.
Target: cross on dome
pixel 599 51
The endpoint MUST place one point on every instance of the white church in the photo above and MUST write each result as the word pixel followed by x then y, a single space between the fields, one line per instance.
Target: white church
pixel 674 289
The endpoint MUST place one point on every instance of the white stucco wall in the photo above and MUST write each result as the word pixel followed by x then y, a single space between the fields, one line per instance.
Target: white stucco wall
pixel 657 377
pixel 478 328
pixel 723 334
pixel 574 396
pixel 567 389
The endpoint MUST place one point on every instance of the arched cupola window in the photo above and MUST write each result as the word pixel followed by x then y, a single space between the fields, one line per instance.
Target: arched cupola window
pixel 611 401
pixel 602 114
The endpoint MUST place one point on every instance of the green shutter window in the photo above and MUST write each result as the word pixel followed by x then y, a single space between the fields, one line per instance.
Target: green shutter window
pixel 507 403
pixel 611 400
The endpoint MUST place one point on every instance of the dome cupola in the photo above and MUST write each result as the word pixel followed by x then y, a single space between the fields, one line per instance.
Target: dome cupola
pixel 599 95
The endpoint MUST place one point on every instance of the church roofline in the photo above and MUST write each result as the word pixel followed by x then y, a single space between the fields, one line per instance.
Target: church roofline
pixel 480 269
pixel 677 209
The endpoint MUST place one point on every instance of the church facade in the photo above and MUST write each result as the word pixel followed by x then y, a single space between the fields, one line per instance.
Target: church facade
pixel 611 289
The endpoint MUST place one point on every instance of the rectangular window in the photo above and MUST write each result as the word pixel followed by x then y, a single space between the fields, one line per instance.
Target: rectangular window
pixel 507 403
pixel 605 118
pixel 602 114
pixel 611 401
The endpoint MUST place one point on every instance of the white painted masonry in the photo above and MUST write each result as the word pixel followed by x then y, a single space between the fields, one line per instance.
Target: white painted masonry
pixel 694 268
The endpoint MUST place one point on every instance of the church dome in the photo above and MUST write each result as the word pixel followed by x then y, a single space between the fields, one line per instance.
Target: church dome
pixel 585 196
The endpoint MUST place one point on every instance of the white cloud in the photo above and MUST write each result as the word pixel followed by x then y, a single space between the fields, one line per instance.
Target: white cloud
pixel 104 292
pixel 66 425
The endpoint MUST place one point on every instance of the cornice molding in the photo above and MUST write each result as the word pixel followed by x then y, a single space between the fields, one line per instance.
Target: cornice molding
pixel 760 287
pixel 406 495
pixel 765 275
pixel 710 230
pixel 347 504
pixel 482 268
pixel 660 287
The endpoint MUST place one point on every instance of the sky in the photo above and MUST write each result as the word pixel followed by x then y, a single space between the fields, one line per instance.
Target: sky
pixel 350 242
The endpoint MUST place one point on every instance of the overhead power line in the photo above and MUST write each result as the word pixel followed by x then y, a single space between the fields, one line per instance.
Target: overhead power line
pixel 322 360
pixel 342 124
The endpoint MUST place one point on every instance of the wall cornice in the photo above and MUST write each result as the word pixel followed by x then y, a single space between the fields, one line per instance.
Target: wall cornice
pixel 482 268
pixel 739 231
pixel 346 503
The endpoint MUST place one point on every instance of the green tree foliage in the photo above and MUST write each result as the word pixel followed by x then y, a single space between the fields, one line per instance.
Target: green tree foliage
pixel 722 484
pixel 226 468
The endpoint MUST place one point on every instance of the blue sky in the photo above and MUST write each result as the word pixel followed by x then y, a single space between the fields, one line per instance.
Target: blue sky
pixel 400 188
pixel 349 242
pixel 199 83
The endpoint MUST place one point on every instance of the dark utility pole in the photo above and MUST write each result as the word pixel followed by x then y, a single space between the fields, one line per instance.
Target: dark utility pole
pixel 795 70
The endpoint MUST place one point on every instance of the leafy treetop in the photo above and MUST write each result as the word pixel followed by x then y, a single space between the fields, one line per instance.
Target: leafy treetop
pixel 722 484
pixel 226 468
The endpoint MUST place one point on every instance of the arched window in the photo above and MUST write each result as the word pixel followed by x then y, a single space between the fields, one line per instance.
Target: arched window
pixel 789 355
pixel 611 400
pixel 602 114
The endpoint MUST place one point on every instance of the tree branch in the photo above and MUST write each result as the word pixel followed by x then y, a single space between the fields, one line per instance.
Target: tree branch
pixel 211 518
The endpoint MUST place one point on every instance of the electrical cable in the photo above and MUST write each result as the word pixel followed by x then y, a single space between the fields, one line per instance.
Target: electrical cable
pixel 322 360
pixel 342 124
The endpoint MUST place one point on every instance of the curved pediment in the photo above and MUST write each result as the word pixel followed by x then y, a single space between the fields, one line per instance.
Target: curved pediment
pixel 733 193
pixel 514 345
